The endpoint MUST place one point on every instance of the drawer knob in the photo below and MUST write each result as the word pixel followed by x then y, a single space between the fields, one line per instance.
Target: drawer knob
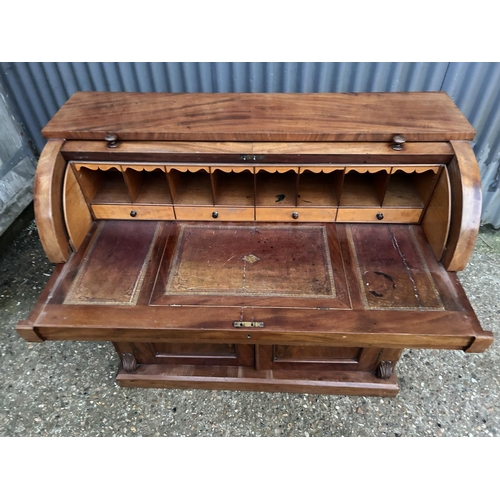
pixel 398 141
pixel 215 215
pixel 380 216
pixel 112 140
pixel 133 213
pixel 295 215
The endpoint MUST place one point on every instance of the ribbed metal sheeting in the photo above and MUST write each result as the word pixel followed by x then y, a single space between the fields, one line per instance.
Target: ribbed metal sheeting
pixel 39 89
pixel 475 88
pixel 17 165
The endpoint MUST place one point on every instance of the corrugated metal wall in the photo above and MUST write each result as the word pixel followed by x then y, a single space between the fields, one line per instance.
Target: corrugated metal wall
pixel 17 165
pixel 39 89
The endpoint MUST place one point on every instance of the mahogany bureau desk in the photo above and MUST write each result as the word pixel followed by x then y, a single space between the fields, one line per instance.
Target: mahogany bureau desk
pixel 270 242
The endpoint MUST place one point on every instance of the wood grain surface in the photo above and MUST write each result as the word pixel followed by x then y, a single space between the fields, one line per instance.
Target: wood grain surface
pixel 139 212
pixel 436 220
pixel 248 379
pixel 424 116
pixel 466 207
pixel 48 201
pixel 440 317
pixel 292 153
pixel 76 211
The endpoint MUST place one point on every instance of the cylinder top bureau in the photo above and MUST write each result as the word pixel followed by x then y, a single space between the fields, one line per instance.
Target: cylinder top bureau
pixel 265 242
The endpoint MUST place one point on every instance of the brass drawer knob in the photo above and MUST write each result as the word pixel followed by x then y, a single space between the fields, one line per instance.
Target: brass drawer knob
pixel 215 215
pixel 295 215
pixel 380 216
pixel 398 141
pixel 133 213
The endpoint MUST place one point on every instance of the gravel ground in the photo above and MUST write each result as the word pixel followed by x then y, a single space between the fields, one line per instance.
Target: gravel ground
pixel 68 388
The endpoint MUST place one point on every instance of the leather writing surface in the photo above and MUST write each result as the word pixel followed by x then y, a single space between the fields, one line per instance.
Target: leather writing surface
pixel 391 270
pixel 252 260
pixel 114 268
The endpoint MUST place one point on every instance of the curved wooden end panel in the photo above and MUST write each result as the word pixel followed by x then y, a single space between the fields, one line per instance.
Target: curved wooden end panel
pixel 466 206
pixel 76 211
pixel 48 196
pixel 436 221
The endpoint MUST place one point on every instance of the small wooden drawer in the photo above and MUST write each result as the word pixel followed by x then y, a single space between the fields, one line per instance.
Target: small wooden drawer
pixel 383 215
pixel 297 214
pixel 140 212
pixel 215 213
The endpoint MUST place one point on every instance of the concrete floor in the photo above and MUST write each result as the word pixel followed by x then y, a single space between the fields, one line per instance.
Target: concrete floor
pixel 68 388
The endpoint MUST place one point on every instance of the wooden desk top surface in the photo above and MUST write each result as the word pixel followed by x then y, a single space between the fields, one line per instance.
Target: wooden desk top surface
pixel 419 116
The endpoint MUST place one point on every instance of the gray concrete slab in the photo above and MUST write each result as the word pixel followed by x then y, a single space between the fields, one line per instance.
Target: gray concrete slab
pixel 68 388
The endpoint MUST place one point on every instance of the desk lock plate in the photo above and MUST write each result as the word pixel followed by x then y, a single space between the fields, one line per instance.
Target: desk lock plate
pixel 248 324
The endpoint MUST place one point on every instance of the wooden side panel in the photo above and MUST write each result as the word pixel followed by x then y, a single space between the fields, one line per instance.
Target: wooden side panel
pixel 436 221
pixel 76 211
pixel 48 196
pixel 466 207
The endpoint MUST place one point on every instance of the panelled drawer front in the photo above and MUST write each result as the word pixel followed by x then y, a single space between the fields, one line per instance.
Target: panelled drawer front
pixel 382 215
pixel 214 213
pixel 140 212
pixel 296 214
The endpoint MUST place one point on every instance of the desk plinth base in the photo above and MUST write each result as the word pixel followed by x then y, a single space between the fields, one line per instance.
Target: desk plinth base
pixel 249 379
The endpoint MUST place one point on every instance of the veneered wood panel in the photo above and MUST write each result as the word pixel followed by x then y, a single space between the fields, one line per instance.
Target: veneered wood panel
pixel 465 183
pixel 293 357
pixel 389 215
pixel 131 212
pixel 316 358
pixel 185 350
pixel 436 220
pixel 198 353
pixel 76 211
pixel 295 214
pixel 429 116
pixel 395 329
pixel 207 213
pixel 367 152
pixel 48 201
pixel 245 378
pixel 315 353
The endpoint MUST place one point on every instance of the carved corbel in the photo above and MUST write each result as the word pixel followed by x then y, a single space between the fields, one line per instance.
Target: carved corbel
pixel 384 369
pixel 129 363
